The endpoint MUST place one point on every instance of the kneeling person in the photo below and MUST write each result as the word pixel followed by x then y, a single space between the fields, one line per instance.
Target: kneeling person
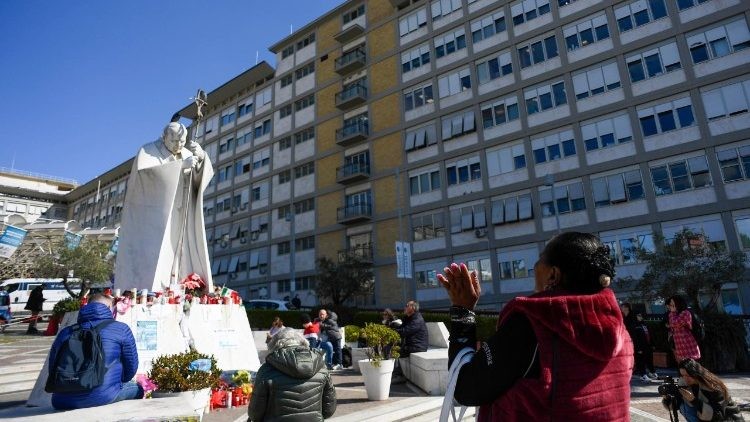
pixel 119 357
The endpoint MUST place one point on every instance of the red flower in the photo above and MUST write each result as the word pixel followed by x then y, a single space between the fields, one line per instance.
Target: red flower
pixel 193 282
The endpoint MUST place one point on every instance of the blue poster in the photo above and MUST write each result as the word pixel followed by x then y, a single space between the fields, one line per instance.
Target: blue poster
pixel 146 335
pixel 72 240
pixel 10 240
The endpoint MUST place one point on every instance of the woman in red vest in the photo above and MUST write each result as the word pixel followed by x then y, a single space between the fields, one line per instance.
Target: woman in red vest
pixel 561 354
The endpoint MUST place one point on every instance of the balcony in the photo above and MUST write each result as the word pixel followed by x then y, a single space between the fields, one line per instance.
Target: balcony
pixel 363 252
pixel 352 133
pixel 349 33
pixel 353 213
pixel 351 61
pixel 352 172
pixel 399 3
pixel 352 95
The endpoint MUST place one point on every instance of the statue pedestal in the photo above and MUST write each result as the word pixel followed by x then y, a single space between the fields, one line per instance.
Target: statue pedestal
pixel 219 330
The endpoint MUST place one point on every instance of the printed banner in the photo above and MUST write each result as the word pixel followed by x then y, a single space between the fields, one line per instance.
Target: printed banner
pixel 72 240
pixel 10 240
pixel 403 259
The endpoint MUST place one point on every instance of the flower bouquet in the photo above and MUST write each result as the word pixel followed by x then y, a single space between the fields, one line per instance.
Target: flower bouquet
pixel 194 286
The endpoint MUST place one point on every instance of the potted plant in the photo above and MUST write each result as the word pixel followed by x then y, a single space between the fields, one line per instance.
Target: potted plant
pixel 188 374
pixel 382 351
pixel 352 335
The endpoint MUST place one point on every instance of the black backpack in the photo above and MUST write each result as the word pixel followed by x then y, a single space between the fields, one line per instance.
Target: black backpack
pixel 698 327
pixel 79 365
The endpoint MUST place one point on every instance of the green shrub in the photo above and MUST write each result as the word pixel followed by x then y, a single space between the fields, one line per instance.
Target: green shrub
pixel 66 305
pixel 382 342
pixel 172 372
pixel 352 333
pixel 261 319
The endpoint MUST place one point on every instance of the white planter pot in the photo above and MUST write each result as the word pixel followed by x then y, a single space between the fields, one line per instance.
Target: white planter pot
pixel 196 399
pixel 377 379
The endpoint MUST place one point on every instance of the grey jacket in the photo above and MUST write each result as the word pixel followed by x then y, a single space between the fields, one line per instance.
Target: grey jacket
pixel 293 386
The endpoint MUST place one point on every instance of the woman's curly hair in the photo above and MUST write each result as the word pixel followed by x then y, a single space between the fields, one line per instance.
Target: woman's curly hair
pixel 585 263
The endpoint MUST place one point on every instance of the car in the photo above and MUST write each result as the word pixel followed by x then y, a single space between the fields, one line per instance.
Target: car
pixel 277 305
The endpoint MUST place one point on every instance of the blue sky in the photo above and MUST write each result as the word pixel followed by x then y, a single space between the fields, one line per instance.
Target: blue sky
pixel 84 83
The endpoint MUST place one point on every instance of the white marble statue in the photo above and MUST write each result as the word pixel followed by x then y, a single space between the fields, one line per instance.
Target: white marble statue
pixel 162 234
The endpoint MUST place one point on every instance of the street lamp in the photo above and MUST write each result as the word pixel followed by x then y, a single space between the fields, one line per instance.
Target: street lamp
pixel 549 180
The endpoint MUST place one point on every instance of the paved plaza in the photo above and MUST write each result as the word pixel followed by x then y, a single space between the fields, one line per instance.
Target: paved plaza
pixel 22 357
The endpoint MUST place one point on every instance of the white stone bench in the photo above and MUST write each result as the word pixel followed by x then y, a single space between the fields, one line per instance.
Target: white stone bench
pixel 168 408
pixel 429 370
pixel 259 338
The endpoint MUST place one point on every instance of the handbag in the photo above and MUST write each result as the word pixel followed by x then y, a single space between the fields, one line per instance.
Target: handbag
pixel 463 357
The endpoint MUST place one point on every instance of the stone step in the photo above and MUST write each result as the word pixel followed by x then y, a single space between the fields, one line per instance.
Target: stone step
pixel 434 415
pixel 17 386
pixel 27 367
pixel 19 376
pixel 398 410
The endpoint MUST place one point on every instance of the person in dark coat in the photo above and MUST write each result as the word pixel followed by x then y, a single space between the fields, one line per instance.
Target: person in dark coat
pixel 413 330
pixel 293 384
pixel 120 355
pixel 34 304
pixel 644 352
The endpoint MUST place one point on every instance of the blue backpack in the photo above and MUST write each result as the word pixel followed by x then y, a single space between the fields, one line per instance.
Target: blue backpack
pixel 79 366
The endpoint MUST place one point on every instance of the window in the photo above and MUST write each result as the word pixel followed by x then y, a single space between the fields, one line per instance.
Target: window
pixel 415 58
pixel 666 117
pixel 426 278
pixel 412 22
pixel 586 33
pixel 304 102
pixel 528 10
pixel 304 135
pixel 735 163
pixel 285 176
pixel 353 14
pixel 285 143
pixel 727 101
pixel 242 166
pixel 499 112
pixel 283 248
pixel 418 97
pixel 464 171
pixel 545 97
pixel 450 43
pixel 263 128
pixel 421 137
pixel 482 267
pixel 512 209
pixel 245 108
pixel 504 160
pixel 304 243
pixel 743 229
pixel 225 173
pixel 305 70
pixel 624 247
pixel 596 80
pixel 607 132
pixel 458 124
pixel 487 26
pixel 283 211
pixel 654 62
pixel 286 52
pixel 681 175
pixel 223 204
pixel 227 117
pixel 617 188
pixel 304 206
pixel 259 191
pixel 454 83
pixel 514 269
pixel 285 111
pixel 537 51
pixel 441 8
pixel 553 147
pixel 211 124
pixel 304 170
pixel 563 200
pixel 425 182
pixel 495 67
pixel 719 41
pixel 468 218
pixel 639 13
pixel 306 41
pixel 244 137
pixel 261 158
pixel 686 4
pixel 227 145
pixel 286 80
pixel 264 97
pixel 429 226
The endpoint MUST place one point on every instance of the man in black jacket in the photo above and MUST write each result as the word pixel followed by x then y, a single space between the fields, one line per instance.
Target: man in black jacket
pixel 34 304
pixel 413 330
pixel 330 332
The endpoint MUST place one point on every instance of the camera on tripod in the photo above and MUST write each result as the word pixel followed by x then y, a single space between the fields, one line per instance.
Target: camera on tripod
pixel 669 387
pixel 672 397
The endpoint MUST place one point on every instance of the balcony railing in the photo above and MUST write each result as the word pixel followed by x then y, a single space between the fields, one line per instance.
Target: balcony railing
pixel 349 33
pixel 351 96
pixel 353 213
pixel 351 61
pixel 352 172
pixel 363 252
pixel 352 133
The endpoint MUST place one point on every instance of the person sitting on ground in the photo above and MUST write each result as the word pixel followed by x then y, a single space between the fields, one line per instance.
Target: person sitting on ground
pixel 413 331
pixel 276 326
pixel 703 396
pixel 293 383
pixel 390 320
pixel 561 353
pixel 330 332
pixel 120 357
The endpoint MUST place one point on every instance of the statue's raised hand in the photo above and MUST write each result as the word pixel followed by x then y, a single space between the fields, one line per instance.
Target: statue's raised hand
pixel 190 162
pixel 462 285
pixel 196 149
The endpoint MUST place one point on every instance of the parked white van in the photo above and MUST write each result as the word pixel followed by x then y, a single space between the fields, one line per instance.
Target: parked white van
pixel 20 288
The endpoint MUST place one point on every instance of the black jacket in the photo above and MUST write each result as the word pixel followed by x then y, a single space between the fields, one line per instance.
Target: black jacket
pixel 413 331
pixel 36 300
pixel 293 386
pixel 330 326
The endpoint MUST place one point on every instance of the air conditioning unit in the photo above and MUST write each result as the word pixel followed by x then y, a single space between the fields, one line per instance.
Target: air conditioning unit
pixel 243 239
pixel 479 233
pixel 254 235
pixel 223 243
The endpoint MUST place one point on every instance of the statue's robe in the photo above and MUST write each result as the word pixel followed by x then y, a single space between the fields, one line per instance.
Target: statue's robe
pixel 152 219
